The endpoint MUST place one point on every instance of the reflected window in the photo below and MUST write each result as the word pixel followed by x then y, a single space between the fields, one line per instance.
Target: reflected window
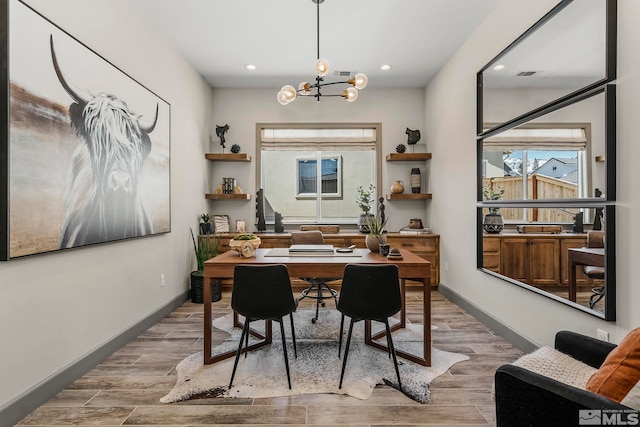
pixel 538 163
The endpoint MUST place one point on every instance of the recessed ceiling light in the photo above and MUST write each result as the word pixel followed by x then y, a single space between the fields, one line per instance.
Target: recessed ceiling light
pixel 385 67
pixel 499 67
pixel 250 67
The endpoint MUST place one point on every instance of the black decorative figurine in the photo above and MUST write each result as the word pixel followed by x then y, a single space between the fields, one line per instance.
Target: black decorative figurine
pixel 381 208
pixel 413 136
pixel 261 224
pixel 278 226
pixel 220 131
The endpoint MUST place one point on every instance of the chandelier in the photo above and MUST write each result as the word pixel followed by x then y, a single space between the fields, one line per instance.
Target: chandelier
pixel 288 93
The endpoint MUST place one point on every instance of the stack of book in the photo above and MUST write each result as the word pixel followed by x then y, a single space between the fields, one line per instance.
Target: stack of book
pixel 228 185
pixel 407 230
pixel 311 249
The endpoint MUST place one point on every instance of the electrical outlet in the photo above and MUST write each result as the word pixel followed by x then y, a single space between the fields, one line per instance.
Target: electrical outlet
pixel 162 279
pixel 446 266
pixel 603 335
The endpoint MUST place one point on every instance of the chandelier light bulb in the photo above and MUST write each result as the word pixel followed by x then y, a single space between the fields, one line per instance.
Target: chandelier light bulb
pixel 282 99
pixel 322 67
pixel 304 88
pixel 289 92
pixel 350 94
pixel 286 94
pixel 360 81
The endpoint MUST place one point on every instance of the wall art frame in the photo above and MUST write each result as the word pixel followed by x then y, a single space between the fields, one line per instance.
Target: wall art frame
pixel 85 147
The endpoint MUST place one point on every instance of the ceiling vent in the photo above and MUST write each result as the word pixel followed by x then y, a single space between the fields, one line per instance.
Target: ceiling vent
pixel 526 73
pixel 344 73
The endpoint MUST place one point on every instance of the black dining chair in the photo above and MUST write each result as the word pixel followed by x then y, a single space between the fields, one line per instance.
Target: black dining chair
pixel 263 292
pixel 369 292
pixel 318 285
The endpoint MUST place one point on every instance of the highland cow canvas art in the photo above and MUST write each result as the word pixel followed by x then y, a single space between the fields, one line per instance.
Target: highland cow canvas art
pixel 87 147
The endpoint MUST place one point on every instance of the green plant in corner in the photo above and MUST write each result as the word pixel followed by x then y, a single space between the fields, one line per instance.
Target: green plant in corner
pixel 205 218
pixel 205 248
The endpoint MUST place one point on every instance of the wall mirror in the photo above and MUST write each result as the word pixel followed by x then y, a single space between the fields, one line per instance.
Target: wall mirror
pixel 551 203
pixel 546 158
pixel 568 51
pixel 575 268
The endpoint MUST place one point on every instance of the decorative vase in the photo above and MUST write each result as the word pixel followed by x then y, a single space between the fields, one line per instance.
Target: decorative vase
pixel 373 242
pixel 415 180
pixel 493 223
pixel 197 288
pixel 362 222
pixel 397 187
pixel 205 228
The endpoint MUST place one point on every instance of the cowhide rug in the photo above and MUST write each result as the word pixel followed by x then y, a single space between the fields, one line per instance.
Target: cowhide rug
pixel 316 370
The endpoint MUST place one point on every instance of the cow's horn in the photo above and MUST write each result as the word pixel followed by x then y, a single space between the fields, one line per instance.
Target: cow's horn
pixel 79 96
pixel 149 127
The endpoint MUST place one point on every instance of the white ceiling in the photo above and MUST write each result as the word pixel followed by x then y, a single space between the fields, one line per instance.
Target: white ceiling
pixel 220 37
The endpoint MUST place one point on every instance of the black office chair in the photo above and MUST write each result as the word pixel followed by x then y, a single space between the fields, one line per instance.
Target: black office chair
pixel 318 284
pixel 263 292
pixel 369 292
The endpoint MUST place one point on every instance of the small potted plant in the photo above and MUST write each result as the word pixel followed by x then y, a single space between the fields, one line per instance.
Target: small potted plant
pixel 206 247
pixel 365 202
pixel 375 238
pixel 205 223
pixel 493 222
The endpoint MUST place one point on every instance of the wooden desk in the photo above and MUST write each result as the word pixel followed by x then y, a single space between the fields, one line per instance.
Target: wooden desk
pixel 582 256
pixel 410 267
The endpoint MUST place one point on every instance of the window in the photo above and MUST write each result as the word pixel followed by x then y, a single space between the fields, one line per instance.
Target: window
pixel 330 174
pixel 310 172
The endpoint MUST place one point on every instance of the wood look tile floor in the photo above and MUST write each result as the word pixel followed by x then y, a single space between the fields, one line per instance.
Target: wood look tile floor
pixel 125 389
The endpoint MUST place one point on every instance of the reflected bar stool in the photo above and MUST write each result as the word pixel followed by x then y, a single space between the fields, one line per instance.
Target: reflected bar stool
pixel 595 239
pixel 318 285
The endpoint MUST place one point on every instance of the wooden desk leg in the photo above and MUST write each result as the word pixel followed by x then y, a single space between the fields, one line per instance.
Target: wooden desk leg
pixel 207 320
pixel 425 359
pixel 572 279
pixel 426 320
pixel 208 359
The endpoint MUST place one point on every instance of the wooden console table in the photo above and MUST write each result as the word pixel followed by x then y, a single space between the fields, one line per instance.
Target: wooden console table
pixel 410 267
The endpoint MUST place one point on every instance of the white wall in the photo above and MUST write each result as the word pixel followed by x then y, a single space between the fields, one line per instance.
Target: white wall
pixel 241 109
pixel 55 308
pixel 450 128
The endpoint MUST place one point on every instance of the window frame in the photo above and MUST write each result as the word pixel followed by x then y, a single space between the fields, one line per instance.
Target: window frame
pixel 377 126
pixel 325 196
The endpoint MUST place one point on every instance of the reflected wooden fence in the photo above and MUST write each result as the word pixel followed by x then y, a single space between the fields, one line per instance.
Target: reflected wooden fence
pixel 538 187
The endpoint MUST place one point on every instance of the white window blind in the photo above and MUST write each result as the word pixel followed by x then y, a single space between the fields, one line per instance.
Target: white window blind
pixel 538 139
pixel 318 139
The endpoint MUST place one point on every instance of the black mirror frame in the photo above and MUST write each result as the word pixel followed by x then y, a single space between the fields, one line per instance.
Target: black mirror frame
pixel 611 32
pixel 607 204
